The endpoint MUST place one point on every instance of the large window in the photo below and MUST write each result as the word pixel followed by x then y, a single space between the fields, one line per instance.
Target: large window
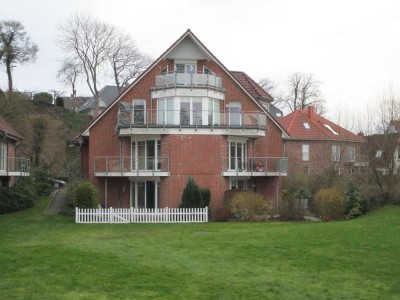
pixel 214 114
pixel 3 156
pixel 165 111
pixel 305 152
pixel 191 111
pixel 335 153
pixel 235 117
pixel 139 111
pixel 146 155
pixel 351 152
pixel 145 194
pixel 237 153
pixel 238 184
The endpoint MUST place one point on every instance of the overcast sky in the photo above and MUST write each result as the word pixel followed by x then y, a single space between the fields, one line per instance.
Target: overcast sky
pixel 351 47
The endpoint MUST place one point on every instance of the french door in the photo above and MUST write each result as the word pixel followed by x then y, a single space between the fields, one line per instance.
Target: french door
pixel 145 194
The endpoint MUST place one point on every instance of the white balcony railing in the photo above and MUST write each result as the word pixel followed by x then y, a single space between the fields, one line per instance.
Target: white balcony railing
pixel 255 166
pixel 128 117
pixel 15 165
pixel 128 166
pixel 188 79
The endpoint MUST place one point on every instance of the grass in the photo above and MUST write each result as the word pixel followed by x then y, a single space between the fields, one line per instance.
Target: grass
pixel 51 257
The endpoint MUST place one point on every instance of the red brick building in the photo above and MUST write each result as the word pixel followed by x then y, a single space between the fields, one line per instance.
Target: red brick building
pixel 11 167
pixel 317 145
pixel 186 115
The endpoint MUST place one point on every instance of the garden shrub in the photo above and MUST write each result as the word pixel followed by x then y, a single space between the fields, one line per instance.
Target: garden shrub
pixel 191 196
pixel 249 205
pixel 330 203
pixel 355 203
pixel 70 199
pixel 19 197
pixel 205 197
pixel 86 195
pixel 292 208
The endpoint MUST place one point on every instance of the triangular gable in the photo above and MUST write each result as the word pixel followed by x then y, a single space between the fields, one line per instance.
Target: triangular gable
pixel 172 51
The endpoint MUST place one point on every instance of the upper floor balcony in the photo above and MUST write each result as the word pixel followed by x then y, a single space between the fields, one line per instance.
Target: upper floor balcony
pixel 127 166
pixel 255 166
pixel 164 121
pixel 193 80
pixel 15 166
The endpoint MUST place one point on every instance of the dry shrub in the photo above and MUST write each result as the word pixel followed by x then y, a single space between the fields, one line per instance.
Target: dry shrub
pixel 330 203
pixel 249 206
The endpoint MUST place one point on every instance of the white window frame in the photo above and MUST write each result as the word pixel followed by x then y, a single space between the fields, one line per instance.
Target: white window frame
pixel 242 161
pixel 351 152
pixel 234 114
pixel 335 153
pixel 144 111
pixel 234 183
pixel 134 188
pixel 135 158
pixel 3 156
pixel 305 152
pixel 306 125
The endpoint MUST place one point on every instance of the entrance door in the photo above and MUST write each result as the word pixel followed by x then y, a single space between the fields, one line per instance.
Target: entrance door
pixel 145 194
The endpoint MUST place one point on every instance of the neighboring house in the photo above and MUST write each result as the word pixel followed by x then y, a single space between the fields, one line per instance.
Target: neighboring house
pixel 186 115
pixel 11 167
pixel 73 104
pixel 383 150
pixel 317 145
pixel 106 95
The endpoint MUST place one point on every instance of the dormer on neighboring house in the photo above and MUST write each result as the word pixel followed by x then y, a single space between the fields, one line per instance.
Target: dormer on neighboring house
pixel 185 116
pixel 11 167
pixel 106 95
pixel 316 145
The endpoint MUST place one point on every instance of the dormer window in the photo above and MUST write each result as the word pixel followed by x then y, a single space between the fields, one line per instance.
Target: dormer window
pixel 306 125
pixel 185 68
pixel 378 154
pixel 331 129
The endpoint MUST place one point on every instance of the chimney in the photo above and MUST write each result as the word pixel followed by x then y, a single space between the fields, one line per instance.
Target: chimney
pixel 310 112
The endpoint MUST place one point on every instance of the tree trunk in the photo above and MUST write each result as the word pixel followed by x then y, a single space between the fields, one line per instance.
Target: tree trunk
pixel 9 75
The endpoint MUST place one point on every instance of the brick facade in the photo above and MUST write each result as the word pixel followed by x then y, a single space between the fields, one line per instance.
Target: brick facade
pixel 190 153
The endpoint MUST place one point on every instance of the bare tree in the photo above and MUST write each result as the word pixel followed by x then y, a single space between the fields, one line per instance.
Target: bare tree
pixel 15 47
pixel 89 42
pixel 267 85
pixel 68 73
pixel 383 148
pixel 302 90
pixel 127 62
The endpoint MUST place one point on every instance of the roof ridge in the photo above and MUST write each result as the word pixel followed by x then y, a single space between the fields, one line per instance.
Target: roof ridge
pixel 291 123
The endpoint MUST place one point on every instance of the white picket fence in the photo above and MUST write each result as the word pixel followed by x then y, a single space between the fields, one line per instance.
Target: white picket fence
pixel 141 215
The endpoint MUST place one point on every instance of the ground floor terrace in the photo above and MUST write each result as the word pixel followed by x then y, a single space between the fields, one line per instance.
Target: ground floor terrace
pixel 161 192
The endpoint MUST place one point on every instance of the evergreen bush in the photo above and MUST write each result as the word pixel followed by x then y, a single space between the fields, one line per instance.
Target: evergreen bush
pixel 191 196
pixel 86 195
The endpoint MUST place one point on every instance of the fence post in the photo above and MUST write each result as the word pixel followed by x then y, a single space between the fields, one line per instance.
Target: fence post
pixel 76 215
pixel 111 215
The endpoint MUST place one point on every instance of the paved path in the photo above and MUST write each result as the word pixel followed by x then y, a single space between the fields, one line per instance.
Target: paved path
pixel 56 203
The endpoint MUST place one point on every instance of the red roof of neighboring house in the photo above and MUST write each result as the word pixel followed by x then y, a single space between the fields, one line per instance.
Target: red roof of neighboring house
pixel 7 128
pixel 306 124
pixel 252 87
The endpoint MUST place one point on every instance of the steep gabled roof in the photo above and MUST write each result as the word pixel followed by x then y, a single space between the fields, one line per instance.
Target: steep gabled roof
pixel 7 130
pixel 107 94
pixel 188 33
pixel 253 88
pixel 307 125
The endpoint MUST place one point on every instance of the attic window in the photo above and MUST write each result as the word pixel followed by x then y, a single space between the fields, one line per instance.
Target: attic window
pixel 278 114
pixel 331 129
pixel 306 125
pixel 164 71
pixel 207 71
pixel 378 154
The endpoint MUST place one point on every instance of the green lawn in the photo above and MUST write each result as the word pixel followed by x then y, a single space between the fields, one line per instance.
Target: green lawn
pixel 51 257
